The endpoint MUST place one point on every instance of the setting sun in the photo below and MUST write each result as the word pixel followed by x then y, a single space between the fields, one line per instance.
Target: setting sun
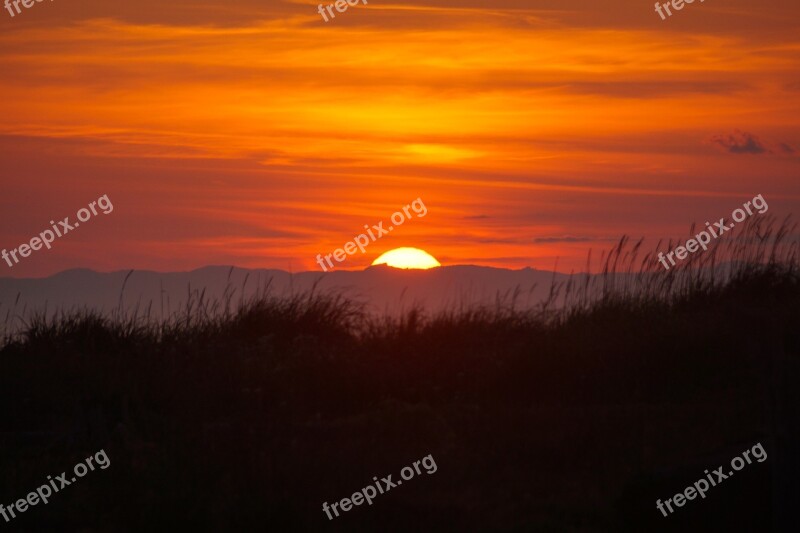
pixel 407 258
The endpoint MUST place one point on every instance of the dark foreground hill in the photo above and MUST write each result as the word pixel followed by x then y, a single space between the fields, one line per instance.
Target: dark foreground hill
pixel 252 425
pixel 250 421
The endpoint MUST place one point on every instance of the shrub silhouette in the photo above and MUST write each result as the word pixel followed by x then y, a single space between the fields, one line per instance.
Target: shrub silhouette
pixel 620 389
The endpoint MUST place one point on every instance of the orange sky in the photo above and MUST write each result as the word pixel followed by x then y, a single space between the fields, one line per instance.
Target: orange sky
pixel 258 135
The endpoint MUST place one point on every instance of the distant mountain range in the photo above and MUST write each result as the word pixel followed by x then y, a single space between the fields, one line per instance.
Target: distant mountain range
pixel 381 288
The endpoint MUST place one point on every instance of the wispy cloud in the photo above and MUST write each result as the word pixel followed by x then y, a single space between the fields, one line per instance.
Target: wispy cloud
pixel 563 238
pixel 526 125
pixel 742 142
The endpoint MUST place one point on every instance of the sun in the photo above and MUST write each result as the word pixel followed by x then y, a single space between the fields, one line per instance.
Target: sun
pixel 407 258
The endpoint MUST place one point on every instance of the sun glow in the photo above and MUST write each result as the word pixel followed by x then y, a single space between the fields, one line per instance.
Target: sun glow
pixel 407 258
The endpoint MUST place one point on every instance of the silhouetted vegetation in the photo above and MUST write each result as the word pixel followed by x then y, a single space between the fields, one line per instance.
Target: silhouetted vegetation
pixel 577 416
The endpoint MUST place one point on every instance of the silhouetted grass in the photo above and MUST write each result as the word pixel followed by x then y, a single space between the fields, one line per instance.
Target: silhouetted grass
pixel 577 415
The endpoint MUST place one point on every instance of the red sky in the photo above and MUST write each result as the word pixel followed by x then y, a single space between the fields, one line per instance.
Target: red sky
pixel 253 133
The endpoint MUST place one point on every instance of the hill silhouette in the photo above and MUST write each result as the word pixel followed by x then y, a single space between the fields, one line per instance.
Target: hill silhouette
pixel 251 416
pixel 381 288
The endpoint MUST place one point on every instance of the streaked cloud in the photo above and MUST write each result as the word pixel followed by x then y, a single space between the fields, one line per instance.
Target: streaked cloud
pixel 518 122
pixel 563 238
pixel 742 142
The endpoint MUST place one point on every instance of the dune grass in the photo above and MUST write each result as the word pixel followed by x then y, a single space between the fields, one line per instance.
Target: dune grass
pixel 570 416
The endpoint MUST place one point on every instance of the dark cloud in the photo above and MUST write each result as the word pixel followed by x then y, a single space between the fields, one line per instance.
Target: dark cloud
pixel 499 241
pixel 735 17
pixel 742 142
pixel 562 238
pixel 656 89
